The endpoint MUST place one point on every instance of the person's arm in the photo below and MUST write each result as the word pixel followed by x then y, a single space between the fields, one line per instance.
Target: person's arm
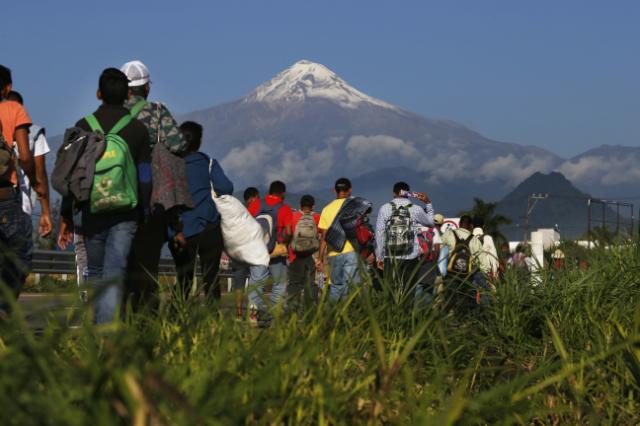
pixel 221 183
pixel 27 162
pixel 46 226
pixel 287 224
pixel 170 133
pixel 381 221
pixel 322 250
pixel 142 158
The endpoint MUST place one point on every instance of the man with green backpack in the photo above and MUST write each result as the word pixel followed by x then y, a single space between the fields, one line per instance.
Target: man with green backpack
pixel 120 193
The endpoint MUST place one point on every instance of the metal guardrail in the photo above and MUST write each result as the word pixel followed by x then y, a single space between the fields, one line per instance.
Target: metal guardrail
pixel 64 262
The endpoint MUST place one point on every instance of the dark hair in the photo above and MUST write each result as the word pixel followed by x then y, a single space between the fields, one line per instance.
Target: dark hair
pixel 277 188
pixel 114 86
pixel 142 90
pixel 5 77
pixel 465 221
pixel 307 201
pixel 15 96
pixel 251 192
pixel 192 132
pixel 401 186
pixel 478 221
pixel 342 185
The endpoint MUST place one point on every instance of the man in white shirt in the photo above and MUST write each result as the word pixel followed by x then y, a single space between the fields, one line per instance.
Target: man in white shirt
pixel 39 148
pixel 399 255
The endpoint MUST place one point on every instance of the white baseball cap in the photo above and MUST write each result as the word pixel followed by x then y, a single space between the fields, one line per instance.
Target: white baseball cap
pixel 136 72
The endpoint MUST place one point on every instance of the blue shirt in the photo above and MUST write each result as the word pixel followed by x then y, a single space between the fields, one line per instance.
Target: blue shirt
pixel 202 172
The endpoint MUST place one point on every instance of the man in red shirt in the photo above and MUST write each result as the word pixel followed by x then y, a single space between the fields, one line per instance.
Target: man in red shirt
pixel 301 264
pixel 282 218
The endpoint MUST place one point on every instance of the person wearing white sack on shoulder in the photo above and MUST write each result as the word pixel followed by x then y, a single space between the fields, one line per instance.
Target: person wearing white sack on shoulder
pixel 201 231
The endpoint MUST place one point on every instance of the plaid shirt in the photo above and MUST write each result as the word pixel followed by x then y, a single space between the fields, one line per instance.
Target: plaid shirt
pixel 420 217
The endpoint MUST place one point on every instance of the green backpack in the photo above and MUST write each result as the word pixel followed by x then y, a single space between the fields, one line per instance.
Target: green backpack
pixel 115 181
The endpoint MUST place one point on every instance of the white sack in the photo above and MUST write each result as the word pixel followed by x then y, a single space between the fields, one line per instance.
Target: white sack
pixel 242 234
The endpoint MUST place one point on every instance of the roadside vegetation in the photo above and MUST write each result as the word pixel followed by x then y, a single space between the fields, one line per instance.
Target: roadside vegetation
pixel 566 351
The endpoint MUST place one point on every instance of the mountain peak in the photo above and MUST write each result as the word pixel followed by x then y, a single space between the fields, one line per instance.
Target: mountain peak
pixel 306 79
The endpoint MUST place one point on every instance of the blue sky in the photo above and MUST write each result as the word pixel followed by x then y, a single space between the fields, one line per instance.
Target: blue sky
pixel 561 75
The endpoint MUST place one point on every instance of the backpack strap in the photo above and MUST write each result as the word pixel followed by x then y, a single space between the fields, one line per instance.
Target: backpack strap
pixel 135 110
pixel 93 123
pixel 121 124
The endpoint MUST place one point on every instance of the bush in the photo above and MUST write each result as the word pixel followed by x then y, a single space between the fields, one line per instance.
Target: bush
pixel 564 351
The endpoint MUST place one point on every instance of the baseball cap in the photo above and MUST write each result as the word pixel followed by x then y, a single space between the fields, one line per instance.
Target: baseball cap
pixel 438 219
pixel 137 73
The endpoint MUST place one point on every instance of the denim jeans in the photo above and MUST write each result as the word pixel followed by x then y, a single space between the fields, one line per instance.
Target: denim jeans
pixel 16 246
pixel 108 246
pixel 258 276
pixel 344 272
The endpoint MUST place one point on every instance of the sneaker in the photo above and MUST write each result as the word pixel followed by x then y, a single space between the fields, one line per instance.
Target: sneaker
pixel 253 316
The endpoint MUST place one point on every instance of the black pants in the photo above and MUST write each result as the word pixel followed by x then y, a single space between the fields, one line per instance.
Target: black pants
pixel 404 275
pixel 208 245
pixel 144 260
pixel 302 278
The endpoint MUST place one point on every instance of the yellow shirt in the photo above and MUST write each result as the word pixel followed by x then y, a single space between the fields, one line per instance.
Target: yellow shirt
pixel 327 217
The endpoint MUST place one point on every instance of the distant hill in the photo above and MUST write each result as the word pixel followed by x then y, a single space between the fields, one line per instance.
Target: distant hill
pixel 566 207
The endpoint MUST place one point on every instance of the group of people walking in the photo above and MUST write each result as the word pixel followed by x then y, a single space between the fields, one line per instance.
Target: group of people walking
pixel 132 179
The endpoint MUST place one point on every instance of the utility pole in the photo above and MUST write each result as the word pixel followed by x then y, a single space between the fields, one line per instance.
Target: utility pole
pixel 532 200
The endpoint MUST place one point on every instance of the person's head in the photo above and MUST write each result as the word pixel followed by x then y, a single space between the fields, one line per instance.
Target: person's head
pixel 139 79
pixel 251 194
pixel 192 133
pixel 278 188
pixel 399 187
pixel 478 222
pixel 307 202
pixel 466 222
pixel 6 82
pixel 504 248
pixel 15 96
pixel 438 220
pixel 342 188
pixel 113 87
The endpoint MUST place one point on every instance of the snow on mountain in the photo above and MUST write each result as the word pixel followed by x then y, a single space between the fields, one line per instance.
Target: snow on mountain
pixel 306 79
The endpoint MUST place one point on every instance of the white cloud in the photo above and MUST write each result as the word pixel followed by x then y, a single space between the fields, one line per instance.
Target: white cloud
pixel 606 171
pixel 515 169
pixel 367 149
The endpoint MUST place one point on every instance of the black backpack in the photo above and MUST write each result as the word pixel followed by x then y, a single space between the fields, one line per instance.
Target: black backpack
pixel 461 260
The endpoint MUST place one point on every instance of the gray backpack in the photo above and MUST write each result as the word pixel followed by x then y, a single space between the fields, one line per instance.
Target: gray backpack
pixel 399 232
pixel 7 157
pixel 305 237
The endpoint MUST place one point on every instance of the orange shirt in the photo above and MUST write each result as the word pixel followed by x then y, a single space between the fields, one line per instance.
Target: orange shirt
pixel 12 116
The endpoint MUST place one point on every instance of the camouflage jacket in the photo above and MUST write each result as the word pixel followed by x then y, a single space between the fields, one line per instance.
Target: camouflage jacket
pixel 161 125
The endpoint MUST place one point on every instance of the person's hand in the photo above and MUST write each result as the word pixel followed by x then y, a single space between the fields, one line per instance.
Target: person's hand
pixel 65 236
pixel 381 265
pixel 46 226
pixel 180 241
pixel 319 264
pixel 423 197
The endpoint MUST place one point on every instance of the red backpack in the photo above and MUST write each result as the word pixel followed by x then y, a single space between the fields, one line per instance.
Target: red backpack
pixel 429 250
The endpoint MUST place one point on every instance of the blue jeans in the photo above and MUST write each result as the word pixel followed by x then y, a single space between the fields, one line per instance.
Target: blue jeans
pixel 108 245
pixel 16 246
pixel 258 276
pixel 344 272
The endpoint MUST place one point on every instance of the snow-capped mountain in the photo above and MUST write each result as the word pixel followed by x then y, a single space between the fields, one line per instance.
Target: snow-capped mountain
pixel 306 80
pixel 307 126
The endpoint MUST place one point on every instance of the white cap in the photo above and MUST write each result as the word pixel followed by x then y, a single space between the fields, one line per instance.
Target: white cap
pixel 136 72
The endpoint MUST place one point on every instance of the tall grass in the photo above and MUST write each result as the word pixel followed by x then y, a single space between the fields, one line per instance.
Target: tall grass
pixel 564 351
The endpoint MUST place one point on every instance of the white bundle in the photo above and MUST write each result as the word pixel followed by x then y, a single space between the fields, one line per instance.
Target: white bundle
pixel 242 234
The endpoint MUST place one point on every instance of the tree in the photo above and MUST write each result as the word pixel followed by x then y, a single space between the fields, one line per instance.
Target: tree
pixel 492 221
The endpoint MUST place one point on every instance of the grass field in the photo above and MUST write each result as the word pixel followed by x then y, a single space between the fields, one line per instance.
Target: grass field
pixel 564 352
